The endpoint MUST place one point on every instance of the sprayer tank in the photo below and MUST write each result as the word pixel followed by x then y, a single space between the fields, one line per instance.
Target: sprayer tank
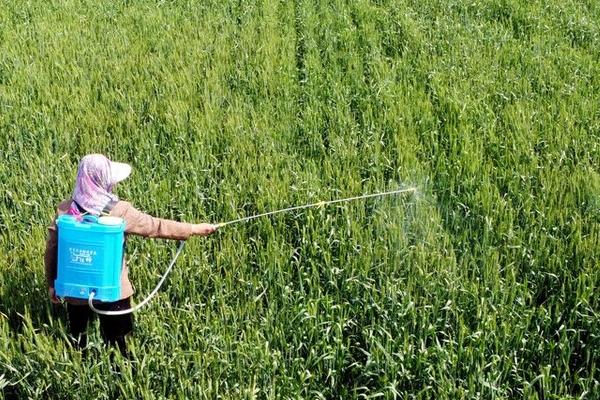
pixel 90 257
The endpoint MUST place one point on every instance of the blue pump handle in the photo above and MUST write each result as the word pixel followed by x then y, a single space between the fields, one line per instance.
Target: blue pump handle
pixel 90 218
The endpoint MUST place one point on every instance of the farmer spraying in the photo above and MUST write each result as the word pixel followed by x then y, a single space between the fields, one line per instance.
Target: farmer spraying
pixel 93 198
pixel 84 258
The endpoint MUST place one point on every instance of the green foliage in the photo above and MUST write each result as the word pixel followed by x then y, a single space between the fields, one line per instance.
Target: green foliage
pixel 484 285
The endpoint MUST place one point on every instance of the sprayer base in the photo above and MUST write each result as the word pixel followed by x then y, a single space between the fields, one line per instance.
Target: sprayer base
pixel 107 293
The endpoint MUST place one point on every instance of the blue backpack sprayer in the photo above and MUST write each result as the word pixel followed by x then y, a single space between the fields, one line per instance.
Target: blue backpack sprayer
pixel 90 254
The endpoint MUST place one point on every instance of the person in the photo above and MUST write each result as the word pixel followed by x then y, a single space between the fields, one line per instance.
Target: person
pixel 93 194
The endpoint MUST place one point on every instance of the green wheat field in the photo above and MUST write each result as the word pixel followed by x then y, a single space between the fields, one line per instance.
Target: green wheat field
pixel 484 284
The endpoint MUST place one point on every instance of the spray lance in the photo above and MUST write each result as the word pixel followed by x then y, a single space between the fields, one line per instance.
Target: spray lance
pixel 237 221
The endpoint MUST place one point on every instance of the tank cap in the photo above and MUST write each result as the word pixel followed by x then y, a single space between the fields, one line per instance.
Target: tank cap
pixel 110 221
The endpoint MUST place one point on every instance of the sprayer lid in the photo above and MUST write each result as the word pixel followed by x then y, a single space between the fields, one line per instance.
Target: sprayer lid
pixel 110 221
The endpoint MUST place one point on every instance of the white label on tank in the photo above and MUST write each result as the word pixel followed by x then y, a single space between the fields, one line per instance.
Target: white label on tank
pixel 82 256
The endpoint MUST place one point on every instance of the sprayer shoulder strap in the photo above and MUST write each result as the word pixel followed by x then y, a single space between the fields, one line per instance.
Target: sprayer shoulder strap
pixel 108 207
pixel 81 209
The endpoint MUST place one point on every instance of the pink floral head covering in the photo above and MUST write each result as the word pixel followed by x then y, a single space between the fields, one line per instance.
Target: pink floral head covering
pixel 96 178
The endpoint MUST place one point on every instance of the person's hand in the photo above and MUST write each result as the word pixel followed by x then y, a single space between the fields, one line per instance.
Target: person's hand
pixel 203 229
pixel 52 295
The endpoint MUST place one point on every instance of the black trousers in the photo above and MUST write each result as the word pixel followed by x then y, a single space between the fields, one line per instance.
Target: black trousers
pixel 113 328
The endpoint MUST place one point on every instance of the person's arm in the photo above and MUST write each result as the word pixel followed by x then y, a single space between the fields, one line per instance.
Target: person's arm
pixel 50 257
pixel 142 224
